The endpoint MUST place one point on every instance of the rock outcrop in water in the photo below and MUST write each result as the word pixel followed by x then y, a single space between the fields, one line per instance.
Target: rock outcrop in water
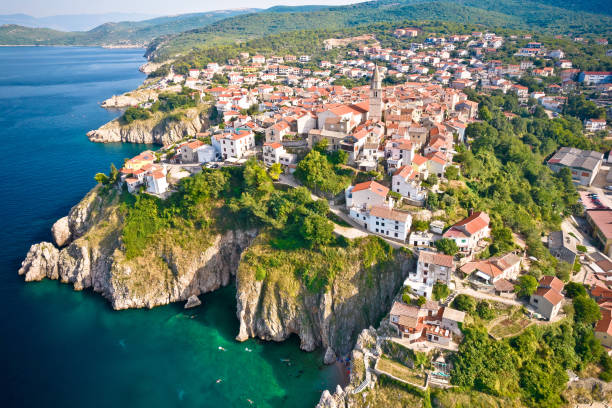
pixel 154 130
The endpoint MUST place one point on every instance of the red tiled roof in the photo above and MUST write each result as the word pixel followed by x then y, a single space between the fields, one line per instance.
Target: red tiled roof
pixel 551 295
pixel 373 187
pixel 436 258
pixel 604 325
pixel 389 214
pixel 551 282
pixel 474 222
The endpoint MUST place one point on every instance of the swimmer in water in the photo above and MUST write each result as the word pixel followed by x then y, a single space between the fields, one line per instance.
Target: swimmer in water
pixel 218 381
pixel 248 349
pixel 221 348
pixel 250 402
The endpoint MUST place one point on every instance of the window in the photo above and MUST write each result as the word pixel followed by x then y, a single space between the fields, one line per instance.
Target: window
pixel 396 235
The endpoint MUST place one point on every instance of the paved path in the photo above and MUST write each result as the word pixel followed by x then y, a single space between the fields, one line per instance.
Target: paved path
pixel 495 298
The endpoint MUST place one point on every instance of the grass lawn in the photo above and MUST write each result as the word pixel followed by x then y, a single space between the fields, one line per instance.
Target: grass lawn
pixel 509 325
pixel 412 376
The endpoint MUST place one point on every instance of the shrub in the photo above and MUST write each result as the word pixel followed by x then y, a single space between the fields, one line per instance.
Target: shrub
pixel 440 291
pixel 464 303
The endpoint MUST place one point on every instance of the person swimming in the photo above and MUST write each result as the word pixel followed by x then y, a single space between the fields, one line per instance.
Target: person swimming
pixel 221 348
pixel 250 402
pixel 247 349
pixel 219 380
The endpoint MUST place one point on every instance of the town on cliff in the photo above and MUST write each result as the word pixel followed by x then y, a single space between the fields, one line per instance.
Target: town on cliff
pixel 432 216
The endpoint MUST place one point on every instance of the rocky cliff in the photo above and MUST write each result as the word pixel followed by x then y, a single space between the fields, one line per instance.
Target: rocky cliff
pixel 360 293
pixel 94 258
pixel 132 98
pixel 154 130
pixel 325 296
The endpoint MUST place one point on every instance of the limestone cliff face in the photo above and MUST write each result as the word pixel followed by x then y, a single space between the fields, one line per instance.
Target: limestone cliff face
pixel 167 273
pixel 358 298
pixel 154 130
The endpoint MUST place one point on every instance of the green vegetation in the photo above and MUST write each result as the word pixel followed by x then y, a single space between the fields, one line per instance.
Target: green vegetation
pixel 586 310
pixel 109 180
pixel 447 246
pixel 484 311
pixel 526 286
pixel 412 376
pixel 344 21
pixel 574 289
pixel 440 291
pixel 131 114
pixel 317 172
pixel 531 366
pixel 464 303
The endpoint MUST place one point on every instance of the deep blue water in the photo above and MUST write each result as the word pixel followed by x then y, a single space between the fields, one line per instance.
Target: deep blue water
pixel 61 348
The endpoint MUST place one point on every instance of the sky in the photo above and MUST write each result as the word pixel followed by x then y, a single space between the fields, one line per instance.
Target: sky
pixel 43 8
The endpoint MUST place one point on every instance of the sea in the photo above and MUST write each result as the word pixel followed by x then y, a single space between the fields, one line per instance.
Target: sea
pixel 64 348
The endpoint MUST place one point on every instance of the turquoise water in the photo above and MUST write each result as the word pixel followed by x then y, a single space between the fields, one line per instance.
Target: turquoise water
pixel 61 348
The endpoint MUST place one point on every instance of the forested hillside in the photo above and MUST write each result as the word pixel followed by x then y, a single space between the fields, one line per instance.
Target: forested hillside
pixel 181 33
pixel 514 14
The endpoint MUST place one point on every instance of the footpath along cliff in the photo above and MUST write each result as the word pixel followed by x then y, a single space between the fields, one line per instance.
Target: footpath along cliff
pixel 89 252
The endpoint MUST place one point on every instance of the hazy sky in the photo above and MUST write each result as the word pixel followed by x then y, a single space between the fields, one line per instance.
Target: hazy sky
pixel 41 8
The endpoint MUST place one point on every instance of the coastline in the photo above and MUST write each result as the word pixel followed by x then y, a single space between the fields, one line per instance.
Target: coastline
pixel 110 47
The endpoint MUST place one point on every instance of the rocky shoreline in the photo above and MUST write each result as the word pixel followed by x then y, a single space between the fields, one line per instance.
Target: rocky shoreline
pixel 152 131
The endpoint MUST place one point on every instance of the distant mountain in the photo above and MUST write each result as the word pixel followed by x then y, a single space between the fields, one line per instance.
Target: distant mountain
pixel 70 22
pixel 166 36
pixel 112 33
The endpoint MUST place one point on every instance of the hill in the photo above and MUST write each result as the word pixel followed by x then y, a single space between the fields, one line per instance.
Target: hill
pixel 70 22
pixel 136 33
pixel 168 36
pixel 534 15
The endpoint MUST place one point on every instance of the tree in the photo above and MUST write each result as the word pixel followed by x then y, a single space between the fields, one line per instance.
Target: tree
pixel 485 114
pixel 275 171
pixel 317 230
pixel 464 303
pixel 484 311
pixel 420 301
pixel 586 310
pixel 447 246
pixel 527 285
pixel 420 225
pixel 563 271
pixel 574 289
pixel 440 291
pixel 321 146
pixel 101 178
pixel 452 173
pixel 338 157
pixel 432 180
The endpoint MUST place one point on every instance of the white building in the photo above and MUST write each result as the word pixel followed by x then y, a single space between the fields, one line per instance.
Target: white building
pixel 384 221
pixel 433 267
pixel 366 195
pixel 468 232
pixel 406 182
pixel 276 153
pixel 156 181
pixel 236 143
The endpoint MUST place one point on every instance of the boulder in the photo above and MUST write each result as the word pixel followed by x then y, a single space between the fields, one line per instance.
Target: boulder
pixel 41 262
pixel 330 356
pixel 61 232
pixel 193 301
